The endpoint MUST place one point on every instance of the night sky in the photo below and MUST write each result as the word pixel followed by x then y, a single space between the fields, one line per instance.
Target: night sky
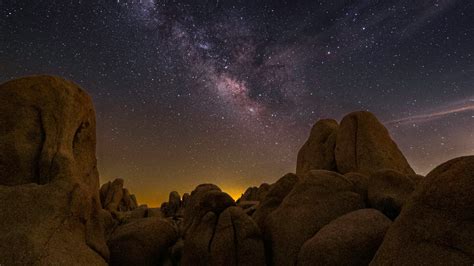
pixel 189 92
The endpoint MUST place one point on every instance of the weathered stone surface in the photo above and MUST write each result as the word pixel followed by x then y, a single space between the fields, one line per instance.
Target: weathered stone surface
pixel 274 197
pixel 351 239
pixel 142 242
pixel 436 225
pixel 318 150
pixel 388 190
pixel 364 145
pixel 360 182
pixel 320 197
pixel 48 175
pixel 232 238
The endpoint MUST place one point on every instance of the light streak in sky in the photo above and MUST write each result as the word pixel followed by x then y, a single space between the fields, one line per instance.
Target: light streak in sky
pixel 450 109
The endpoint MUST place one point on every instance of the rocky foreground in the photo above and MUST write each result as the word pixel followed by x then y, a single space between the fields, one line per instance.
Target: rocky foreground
pixel 354 199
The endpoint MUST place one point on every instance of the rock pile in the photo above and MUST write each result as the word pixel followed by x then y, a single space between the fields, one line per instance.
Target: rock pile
pixel 354 199
pixel 114 197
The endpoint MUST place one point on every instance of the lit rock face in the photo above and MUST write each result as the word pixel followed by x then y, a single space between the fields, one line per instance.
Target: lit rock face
pixel 364 145
pixel 317 199
pixel 318 151
pixel 48 176
pixel 436 225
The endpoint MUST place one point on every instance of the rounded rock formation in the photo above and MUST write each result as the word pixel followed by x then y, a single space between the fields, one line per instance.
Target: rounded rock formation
pixel 142 242
pixel 364 145
pixel 320 197
pixel 436 225
pixel 351 239
pixel 318 150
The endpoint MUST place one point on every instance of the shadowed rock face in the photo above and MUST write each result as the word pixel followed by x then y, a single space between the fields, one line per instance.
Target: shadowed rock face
pixel 364 145
pixel 318 151
pixel 351 239
pixel 274 197
pixel 388 191
pixel 320 197
pixel 142 242
pixel 48 175
pixel 436 225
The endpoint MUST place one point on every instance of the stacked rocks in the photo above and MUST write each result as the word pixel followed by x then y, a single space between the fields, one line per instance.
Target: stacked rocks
pixel 114 197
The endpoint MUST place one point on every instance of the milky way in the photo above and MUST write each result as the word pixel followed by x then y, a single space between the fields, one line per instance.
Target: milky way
pixel 226 91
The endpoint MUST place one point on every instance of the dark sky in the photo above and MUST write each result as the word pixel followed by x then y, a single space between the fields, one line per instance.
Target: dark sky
pixel 223 91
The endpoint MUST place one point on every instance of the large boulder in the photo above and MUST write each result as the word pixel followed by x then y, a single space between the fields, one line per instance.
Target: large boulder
pixel 230 238
pixel 49 182
pixel 436 225
pixel 388 190
pixel 364 145
pixel 274 197
pixel 318 150
pixel 142 242
pixel 320 197
pixel 351 239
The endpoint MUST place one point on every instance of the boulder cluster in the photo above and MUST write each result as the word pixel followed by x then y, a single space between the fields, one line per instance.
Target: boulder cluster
pixel 354 199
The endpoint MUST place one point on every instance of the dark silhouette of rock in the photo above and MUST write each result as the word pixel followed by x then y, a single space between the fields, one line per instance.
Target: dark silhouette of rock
pixel 388 190
pixel 185 199
pixel 174 201
pixel 230 238
pixel 203 199
pixel 142 242
pixel 255 193
pixel 351 239
pixel 436 225
pixel 274 197
pixel 318 151
pixel 172 207
pixel 320 197
pixel 48 175
pixel 364 145
pixel 249 207
pixel 155 212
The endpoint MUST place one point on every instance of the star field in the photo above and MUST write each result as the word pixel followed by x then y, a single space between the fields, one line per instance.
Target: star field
pixel 226 92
